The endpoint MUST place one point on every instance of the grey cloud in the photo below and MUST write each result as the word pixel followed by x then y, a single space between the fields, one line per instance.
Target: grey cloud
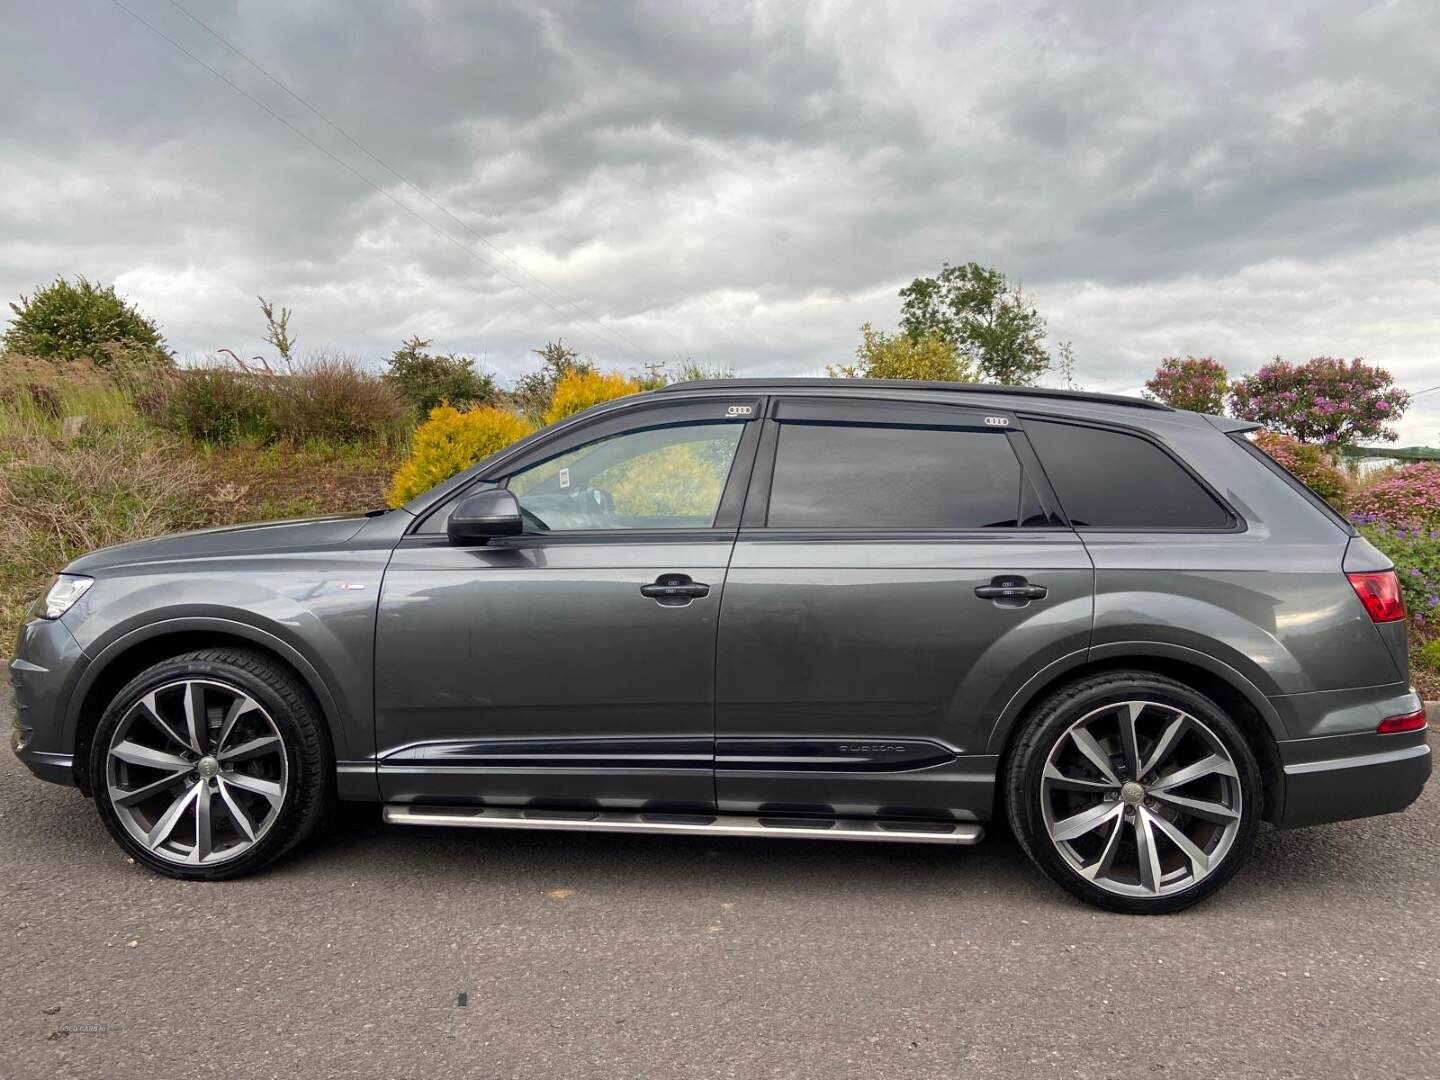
pixel 742 182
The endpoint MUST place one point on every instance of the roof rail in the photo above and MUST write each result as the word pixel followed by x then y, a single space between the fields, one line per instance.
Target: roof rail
pixel 916 384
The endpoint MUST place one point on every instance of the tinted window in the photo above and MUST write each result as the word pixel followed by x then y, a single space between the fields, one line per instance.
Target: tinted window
pixel 856 476
pixel 661 478
pixel 1113 480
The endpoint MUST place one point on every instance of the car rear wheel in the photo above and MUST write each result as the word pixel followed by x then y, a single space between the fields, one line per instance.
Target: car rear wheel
pixel 210 765
pixel 1134 792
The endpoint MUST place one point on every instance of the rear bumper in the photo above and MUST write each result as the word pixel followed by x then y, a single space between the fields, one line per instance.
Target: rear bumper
pixel 1334 782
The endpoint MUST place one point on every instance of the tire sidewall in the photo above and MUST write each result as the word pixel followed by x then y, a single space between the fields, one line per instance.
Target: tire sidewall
pixel 303 774
pixel 1050 723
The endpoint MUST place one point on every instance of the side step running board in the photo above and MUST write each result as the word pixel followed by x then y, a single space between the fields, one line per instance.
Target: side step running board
pixel 910 832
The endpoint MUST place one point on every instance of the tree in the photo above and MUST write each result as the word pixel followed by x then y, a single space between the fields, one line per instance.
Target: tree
pixel 1197 383
pixel 67 322
pixel 899 356
pixel 991 324
pixel 425 379
pixel 1324 400
pixel 534 389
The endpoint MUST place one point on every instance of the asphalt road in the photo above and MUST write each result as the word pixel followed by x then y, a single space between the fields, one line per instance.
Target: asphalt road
pixel 596 956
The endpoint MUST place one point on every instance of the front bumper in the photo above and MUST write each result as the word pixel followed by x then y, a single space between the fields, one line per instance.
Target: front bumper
pixel 48 663
pixel 1353 776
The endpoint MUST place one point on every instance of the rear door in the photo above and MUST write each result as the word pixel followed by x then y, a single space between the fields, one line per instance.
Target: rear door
pixel 900 571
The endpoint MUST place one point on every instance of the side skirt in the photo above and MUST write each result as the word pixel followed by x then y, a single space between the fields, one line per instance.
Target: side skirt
pixel 911 832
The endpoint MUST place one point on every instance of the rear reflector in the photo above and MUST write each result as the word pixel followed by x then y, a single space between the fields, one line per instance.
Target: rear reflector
pixel 1393 725
pixel 1379 591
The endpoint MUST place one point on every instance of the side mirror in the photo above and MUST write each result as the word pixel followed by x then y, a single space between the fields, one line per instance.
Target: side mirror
pixel 483 515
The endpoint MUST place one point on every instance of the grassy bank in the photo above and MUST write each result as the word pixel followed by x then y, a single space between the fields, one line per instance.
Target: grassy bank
pixel 67 488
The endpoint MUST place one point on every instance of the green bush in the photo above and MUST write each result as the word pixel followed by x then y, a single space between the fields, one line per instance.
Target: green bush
pixel 1428 654
pixel 66 322
pixel 1415 551
pixel 332 398
pixel 326 398
pixel 535 390
pixel 900 356
pixel 217 403
pixel 425 380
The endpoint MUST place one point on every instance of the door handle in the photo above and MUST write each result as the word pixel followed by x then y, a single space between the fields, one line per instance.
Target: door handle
pixel 675 590
pixel 1011 588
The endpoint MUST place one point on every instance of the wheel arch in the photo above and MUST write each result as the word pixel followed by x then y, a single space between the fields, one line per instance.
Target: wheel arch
pixel 126 657
pixel 1228 688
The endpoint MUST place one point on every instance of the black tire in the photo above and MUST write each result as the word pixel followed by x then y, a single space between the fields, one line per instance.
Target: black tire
pixel 1049 723
pixel 308 793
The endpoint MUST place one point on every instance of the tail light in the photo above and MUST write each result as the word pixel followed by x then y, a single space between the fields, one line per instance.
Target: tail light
pixel 1393 725
pixel 1379 591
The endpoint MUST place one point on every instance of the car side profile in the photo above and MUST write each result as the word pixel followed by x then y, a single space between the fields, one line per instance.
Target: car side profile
pixel 827 609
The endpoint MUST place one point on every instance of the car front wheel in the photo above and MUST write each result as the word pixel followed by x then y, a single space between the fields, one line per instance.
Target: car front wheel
pixel 210 765
pixel 1134 792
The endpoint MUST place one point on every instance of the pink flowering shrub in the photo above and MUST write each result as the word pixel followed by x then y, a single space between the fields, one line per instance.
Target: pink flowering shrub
pixel 1309 464
pixel 1401 516
pixel 1409 495
pixel 1324 400
pixel 1190 382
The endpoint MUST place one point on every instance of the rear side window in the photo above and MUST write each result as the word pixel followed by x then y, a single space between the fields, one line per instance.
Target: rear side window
pixel 893 477
pixel 1311 495
pixel 1108 479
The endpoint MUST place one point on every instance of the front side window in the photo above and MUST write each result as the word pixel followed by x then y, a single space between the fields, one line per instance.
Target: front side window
pixel 1113 480
pixel 661 478
pixel 892 477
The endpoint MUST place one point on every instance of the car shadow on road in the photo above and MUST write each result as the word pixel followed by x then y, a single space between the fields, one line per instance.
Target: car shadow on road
pixel 1351 857
pixel 355 835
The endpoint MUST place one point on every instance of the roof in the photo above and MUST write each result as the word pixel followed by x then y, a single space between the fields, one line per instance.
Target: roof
pixel 762 385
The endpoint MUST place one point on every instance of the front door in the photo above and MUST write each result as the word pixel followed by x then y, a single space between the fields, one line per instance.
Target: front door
pixel 905 576
pixel 572 666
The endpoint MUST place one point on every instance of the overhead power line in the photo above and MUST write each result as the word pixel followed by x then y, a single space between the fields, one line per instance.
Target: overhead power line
pixel 615 336
pixel 567 317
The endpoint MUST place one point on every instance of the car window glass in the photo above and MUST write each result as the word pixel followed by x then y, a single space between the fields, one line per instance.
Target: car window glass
pixel 1110 479
pixel 661 478
pixel 892 477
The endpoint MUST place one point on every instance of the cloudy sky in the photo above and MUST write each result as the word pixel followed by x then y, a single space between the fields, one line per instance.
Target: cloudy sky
pixel 739 183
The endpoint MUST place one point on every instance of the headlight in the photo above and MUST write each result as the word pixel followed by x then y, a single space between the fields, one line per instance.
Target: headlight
pixel 63 592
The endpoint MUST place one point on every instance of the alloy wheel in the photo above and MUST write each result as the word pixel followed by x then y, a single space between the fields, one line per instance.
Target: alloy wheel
pixel 196 772
pixel 1141 798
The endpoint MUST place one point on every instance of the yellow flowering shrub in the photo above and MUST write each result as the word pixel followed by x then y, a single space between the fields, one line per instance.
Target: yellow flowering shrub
pixel 678 481
pixel 449 442
pixel 581 389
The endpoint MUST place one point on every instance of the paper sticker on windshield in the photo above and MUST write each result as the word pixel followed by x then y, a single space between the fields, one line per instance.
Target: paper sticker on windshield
pixel 565 478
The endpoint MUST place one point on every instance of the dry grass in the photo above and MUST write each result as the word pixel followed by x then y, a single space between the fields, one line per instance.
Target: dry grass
pixel 249 484
pixel 58 501
pixel 37 395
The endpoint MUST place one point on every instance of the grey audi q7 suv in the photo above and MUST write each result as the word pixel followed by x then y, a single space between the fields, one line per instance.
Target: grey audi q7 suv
pixel 837 610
